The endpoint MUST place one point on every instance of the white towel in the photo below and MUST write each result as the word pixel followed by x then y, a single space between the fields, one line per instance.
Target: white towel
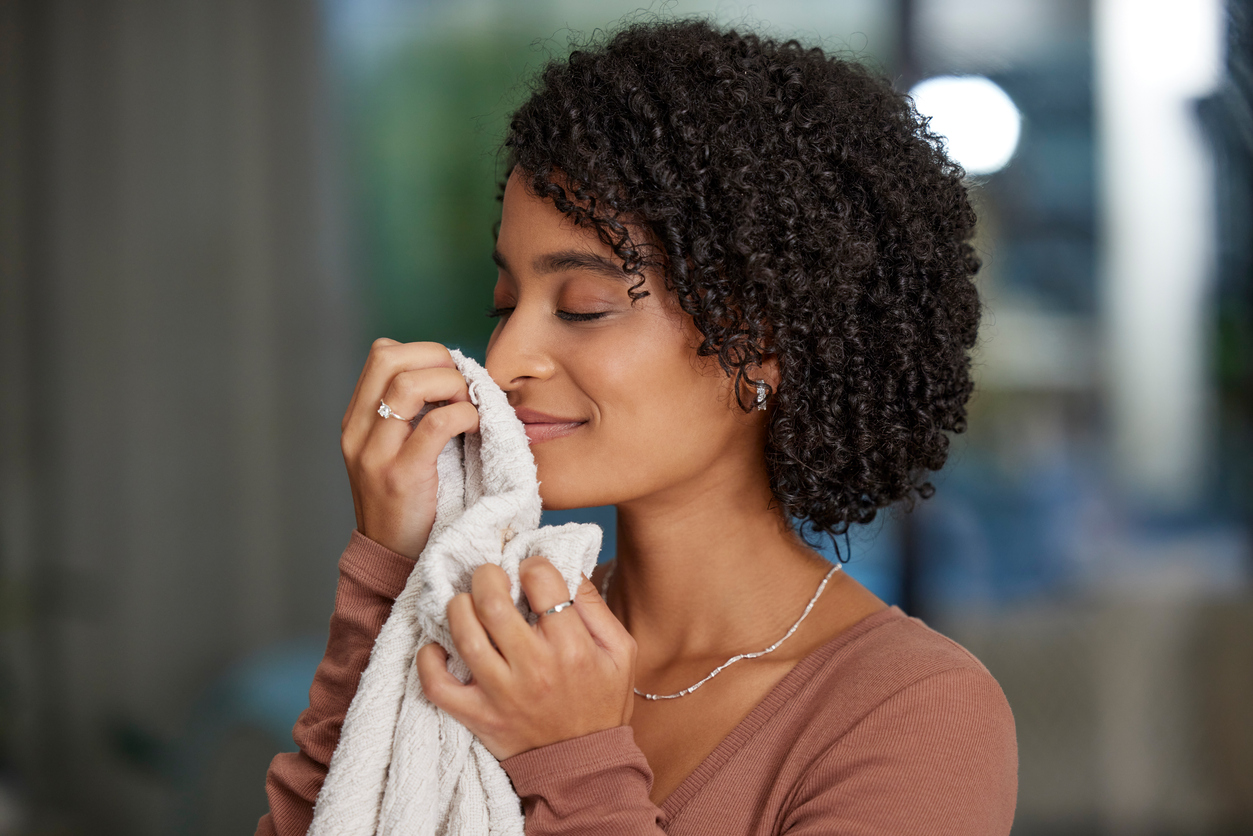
pixel 402 765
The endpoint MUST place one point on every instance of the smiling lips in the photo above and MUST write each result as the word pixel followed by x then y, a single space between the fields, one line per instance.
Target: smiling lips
pixel 543 427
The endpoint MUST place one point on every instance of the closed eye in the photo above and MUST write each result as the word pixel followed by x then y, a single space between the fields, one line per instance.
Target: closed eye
pixel 568 316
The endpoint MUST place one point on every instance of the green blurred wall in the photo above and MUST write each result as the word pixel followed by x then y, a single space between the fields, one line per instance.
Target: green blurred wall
pixel 425 125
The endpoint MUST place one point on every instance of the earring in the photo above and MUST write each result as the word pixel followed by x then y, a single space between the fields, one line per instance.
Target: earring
pixel 761 395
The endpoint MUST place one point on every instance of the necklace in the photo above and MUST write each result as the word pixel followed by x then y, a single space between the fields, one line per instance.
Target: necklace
pixel 604 593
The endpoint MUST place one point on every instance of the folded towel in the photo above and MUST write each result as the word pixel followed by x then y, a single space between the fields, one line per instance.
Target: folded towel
pixel 402 765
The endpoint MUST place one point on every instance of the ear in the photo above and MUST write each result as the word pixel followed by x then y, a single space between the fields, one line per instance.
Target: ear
pixel 770 371
pixel 767 370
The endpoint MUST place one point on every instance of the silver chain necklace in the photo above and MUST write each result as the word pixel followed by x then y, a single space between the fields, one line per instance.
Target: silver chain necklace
pixel 604 593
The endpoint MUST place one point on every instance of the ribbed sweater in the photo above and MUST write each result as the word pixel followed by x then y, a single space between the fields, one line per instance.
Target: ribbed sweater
pixel 888 728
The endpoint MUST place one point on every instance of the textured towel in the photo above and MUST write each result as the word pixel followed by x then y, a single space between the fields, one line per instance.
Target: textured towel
pixel 404 766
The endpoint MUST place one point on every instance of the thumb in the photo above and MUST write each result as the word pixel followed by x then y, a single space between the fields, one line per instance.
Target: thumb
pixel 603 625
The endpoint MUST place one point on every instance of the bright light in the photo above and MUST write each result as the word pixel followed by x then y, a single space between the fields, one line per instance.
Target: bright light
pixel 977 119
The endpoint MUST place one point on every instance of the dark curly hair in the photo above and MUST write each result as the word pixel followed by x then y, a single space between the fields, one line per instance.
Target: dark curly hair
pixel 799 206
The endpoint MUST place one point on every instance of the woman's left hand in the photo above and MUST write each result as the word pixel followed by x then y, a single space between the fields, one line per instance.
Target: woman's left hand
pixel 571 674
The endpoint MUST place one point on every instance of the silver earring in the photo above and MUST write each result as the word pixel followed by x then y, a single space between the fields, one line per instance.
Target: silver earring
pixel 761 395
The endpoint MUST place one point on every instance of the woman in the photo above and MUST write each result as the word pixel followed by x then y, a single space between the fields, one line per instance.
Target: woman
pixel 735 292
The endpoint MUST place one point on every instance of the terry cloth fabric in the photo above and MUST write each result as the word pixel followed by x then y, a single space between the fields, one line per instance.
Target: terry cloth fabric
pixel 402 765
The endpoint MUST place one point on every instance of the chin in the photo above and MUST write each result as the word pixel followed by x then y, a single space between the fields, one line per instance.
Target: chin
pixel 555 496
pixel 562 488
pixel 576 474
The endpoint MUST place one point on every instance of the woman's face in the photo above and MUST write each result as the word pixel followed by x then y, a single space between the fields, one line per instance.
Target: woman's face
pixel 632 411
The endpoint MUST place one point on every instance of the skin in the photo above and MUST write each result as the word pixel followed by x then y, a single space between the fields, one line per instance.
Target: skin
pixel 707 568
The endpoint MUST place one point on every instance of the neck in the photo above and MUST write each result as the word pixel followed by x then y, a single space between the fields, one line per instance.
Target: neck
pixel 709 570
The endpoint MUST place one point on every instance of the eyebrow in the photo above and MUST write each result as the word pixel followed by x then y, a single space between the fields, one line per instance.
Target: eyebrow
pixel 562 260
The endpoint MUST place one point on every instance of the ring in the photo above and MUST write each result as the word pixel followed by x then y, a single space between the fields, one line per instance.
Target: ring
pixel 387 412
pixel 559 607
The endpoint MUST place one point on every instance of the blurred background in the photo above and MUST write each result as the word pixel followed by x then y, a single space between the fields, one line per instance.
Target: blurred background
pixel 209 208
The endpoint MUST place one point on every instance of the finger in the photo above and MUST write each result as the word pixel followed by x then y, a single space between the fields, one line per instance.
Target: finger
pixel 408 392
pixel 545 588
pixel 601 623
pixel 384 364
pixel 411 389
pixel 417 454
pixel 443 689
pixel 489 587
pixel 472 641
pixel 408 461
pixel 387 359
pixel 380 343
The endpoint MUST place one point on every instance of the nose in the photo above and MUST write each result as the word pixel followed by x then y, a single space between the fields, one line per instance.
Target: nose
pixel 517 353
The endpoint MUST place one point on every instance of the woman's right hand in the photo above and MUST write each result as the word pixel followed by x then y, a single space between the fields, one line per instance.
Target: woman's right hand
pixel 391 465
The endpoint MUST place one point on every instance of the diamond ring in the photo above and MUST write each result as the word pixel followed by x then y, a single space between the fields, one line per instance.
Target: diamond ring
pixel 387 412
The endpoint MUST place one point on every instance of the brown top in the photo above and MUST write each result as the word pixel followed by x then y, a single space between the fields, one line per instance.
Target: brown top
pixel 889 728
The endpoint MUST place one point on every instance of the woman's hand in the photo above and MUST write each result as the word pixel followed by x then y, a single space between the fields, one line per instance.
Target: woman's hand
pixel 570 675
pixel 391 464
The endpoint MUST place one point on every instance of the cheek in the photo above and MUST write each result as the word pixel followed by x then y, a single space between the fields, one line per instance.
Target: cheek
pixel 646 377
pixel 659 416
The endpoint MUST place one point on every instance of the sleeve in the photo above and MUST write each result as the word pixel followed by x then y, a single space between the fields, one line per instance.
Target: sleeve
pixel 939 757
pixel 598 783
pixel 370 578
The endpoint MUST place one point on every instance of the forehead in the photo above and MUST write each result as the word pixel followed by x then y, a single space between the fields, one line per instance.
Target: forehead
pixel 528 220
pixel 537 237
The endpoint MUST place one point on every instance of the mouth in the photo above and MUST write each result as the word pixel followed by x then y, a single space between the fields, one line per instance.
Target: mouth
pixel 536 433
pixel 541 426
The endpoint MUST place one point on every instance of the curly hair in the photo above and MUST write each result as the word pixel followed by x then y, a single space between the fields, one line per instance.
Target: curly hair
pixel 800 207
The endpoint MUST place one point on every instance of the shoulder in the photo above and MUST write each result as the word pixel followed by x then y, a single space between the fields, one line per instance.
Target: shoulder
pixel 901 712
pixel 894 664
pixel 907 645
pixel 922 699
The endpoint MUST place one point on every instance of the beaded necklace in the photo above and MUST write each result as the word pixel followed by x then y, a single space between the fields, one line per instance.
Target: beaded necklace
pixel 604 593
